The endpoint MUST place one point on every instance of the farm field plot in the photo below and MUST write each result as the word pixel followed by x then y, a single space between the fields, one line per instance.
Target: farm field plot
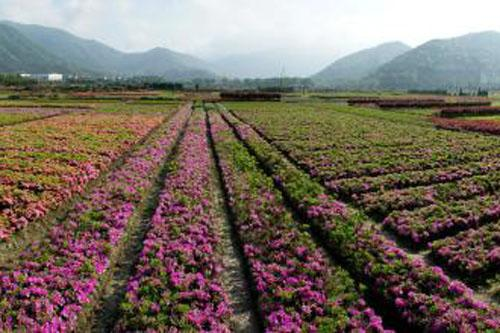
pixel 10 116
pixel 55 281
pixel 395 280
pixel 489 125
pixel 45 162
pixel 420 183
pixel 297 287
pixel 204 225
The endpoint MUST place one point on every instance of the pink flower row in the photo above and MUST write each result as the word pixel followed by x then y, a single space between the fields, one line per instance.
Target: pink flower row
pixel 177 283
pixel 387 201
pixel 440 220
pixel 356 186
pixel 474 253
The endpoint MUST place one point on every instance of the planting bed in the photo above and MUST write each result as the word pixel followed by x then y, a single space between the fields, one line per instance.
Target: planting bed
pixel 421 183
pixel 10 116
pixel 469 111
pixel 46 162
pixel 418 296
pixel 55 280
pixel 483 126
pixel 247 216
pixel 419 103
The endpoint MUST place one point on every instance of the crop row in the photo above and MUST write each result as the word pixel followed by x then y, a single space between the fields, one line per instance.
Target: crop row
pixel 474 254
pixel 353 187
pixel 420 296
pixel 298 290
pixel 385 202
pixel 177 280
pixel 484 126
pixel 415 103
pixel 439 220
pixel 397 104
pixel 55 279
pixel 46 162
pixel 470 111
pixel 392 165
pixel 332 165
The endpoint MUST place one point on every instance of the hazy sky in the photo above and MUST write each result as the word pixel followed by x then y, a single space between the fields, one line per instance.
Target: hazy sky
pixel 212 28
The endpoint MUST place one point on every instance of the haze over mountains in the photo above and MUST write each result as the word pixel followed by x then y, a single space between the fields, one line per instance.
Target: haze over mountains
pixel 470 61
pixel 271 63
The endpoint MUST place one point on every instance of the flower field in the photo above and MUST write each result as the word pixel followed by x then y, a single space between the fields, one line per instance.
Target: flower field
pixel 428 188
pixel 46 162
pixel 177 283
pixel 483 125
pixel 47 288
pixel 248 216
pixel 297 289
pixel 470 111
pixel 10 116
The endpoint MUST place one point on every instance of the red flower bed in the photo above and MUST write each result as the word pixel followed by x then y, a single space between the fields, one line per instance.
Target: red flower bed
pixel 484 126
pixel 363 100
pixel 45 163
pixel 249 96
pixel 471 111
pixel 400 103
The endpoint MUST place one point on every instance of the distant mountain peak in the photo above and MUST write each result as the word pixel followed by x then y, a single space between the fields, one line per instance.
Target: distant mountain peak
pixel 19 54
pixel 349 69
pixel 471 60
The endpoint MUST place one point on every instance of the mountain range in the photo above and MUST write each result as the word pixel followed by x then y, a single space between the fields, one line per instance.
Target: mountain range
pixel 38 49
pixel 349 70
pixel 18 53
pixel 468 61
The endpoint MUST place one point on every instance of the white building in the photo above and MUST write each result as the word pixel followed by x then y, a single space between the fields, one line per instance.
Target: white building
pixel 54 77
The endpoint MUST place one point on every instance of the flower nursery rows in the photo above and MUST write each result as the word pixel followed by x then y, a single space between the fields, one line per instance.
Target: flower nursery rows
pixel 44 163
pixel 470 111
pixel 421 297
pixel 177 283
pixel 420 183
pixel 176 189
pixel 298 290
pixel 56 280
